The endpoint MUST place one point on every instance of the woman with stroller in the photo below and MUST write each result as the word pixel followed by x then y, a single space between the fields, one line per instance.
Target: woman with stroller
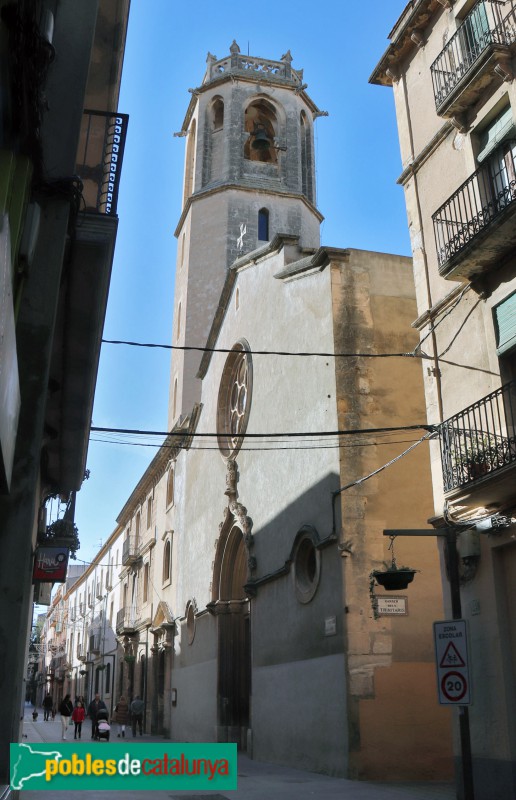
pixel 78 717
pixel 122 715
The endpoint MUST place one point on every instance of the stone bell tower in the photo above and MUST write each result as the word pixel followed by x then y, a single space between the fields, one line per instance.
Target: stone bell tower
pixel 249 175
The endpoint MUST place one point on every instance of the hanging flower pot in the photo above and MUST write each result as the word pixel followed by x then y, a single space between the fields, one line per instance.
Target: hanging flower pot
pixel 393 579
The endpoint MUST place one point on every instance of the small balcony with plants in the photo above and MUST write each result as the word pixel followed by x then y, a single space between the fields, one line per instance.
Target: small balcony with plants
pixel 474 229
pixel 478 451
pixel 476 56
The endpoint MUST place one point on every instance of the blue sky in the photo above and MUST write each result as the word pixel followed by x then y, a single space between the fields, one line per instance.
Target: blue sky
pixel 357 160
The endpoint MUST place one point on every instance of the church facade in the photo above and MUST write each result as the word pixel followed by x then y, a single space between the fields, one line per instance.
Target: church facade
pixel 275 643
pixel 247 608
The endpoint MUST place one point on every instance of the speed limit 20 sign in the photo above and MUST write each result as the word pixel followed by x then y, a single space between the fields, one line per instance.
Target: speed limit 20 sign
pixel 451 655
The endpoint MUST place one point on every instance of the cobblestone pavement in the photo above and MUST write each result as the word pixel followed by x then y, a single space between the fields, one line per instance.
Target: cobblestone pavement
pixel 256 780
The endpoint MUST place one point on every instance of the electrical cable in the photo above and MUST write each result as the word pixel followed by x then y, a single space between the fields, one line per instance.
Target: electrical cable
pixel 287 434
pixel 300 354
pixel 388 464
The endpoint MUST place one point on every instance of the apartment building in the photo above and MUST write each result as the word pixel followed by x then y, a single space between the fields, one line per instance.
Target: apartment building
pixel 61 150
pixel 451 66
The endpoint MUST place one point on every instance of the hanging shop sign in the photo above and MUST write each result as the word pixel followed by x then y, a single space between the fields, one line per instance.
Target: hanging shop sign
pixel 50 564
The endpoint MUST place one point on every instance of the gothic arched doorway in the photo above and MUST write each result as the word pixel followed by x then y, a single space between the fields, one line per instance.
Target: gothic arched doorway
pixel 231 605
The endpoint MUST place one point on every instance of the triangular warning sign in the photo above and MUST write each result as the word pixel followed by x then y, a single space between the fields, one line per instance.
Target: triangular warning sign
pixel 452 657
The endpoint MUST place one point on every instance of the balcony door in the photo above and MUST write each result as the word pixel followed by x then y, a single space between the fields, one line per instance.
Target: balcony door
pixel 503 174
pixel 474 34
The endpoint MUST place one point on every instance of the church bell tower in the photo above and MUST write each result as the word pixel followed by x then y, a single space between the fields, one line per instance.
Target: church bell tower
pixel 249 175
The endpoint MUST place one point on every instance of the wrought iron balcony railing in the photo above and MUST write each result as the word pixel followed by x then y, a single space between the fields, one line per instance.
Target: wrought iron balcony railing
pixel 99 159
pixel 127 619
pixel 81 652
pixel 481 439
pixel 130 550
pixel 484 26
pixel 481 199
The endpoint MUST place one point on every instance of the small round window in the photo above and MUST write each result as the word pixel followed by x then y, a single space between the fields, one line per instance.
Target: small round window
pixel 307 569
pixel 234 401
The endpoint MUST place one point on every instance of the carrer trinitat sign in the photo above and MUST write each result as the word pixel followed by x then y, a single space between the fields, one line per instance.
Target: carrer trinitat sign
pixel 451 654
pixel 50 564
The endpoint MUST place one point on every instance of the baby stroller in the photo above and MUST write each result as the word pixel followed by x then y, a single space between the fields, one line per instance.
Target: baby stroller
pixel 103 726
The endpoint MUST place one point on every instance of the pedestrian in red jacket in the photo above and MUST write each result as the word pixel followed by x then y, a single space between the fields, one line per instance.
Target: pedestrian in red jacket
pixel 78 718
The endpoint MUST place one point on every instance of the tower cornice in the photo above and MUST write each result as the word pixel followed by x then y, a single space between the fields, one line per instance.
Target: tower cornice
pixel 224 187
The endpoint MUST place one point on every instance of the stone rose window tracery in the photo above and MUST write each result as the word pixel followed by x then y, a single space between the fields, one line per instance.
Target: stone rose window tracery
pixel 234 401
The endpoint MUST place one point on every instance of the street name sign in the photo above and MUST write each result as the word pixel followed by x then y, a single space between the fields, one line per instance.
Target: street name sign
pixel 391 606
pixel 451 656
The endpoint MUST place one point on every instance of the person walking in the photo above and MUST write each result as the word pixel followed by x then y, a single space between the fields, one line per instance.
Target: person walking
pixel 47 706
pixel 137 707
pixel 78 715
pixel 93 709
pixel 66 710
pixel 122 715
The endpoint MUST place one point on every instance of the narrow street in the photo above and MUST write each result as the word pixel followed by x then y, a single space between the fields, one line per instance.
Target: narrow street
pixel 256 780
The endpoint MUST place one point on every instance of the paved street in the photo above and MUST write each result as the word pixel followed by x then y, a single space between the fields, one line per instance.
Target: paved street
pixel 256 780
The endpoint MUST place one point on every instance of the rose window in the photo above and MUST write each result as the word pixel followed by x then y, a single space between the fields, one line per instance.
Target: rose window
pixel 234 400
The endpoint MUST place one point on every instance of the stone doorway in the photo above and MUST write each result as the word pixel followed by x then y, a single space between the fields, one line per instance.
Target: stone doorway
pixel 234 640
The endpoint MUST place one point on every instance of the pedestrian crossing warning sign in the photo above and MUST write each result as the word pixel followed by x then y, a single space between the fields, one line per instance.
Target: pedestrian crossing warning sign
pixel 452 657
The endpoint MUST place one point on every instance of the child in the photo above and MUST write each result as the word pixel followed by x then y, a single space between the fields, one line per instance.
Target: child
pixel 78 718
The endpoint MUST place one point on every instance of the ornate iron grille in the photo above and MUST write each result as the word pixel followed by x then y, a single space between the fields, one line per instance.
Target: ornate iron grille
pixel 483 26
pixel 480 439
pixel 99 159
pixel 476 204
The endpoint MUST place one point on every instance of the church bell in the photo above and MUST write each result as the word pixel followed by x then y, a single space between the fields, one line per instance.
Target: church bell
pixel 261 140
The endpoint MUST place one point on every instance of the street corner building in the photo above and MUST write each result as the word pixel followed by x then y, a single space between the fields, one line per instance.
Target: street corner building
pixel 451 66
pixel 235 595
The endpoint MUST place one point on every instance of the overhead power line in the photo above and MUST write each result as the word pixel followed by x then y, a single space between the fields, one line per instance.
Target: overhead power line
pixel 288 434
pixel 418 354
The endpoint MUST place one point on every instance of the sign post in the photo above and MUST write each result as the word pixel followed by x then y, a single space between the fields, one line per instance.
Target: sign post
pixel 451 655
pixel 455 685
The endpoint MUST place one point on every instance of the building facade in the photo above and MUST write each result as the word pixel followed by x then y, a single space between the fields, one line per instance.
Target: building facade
pixel 259 566
pixel 451 67
pixel 61 149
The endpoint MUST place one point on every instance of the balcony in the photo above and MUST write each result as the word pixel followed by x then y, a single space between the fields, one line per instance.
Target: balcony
pixel 127 620
pixel 478 450
pixel 94 642
pixel 83 297
pixel 81 652
pixel 130 551
pixel 475 228
pixel 99 159
pixel 466 65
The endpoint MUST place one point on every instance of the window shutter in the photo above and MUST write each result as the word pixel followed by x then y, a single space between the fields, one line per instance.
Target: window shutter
pixel 505 320
pixel 500 129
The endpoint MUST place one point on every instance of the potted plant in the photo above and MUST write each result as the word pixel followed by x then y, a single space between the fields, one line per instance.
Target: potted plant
pixel 63 533
pixel 394 578
pixel 130 659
